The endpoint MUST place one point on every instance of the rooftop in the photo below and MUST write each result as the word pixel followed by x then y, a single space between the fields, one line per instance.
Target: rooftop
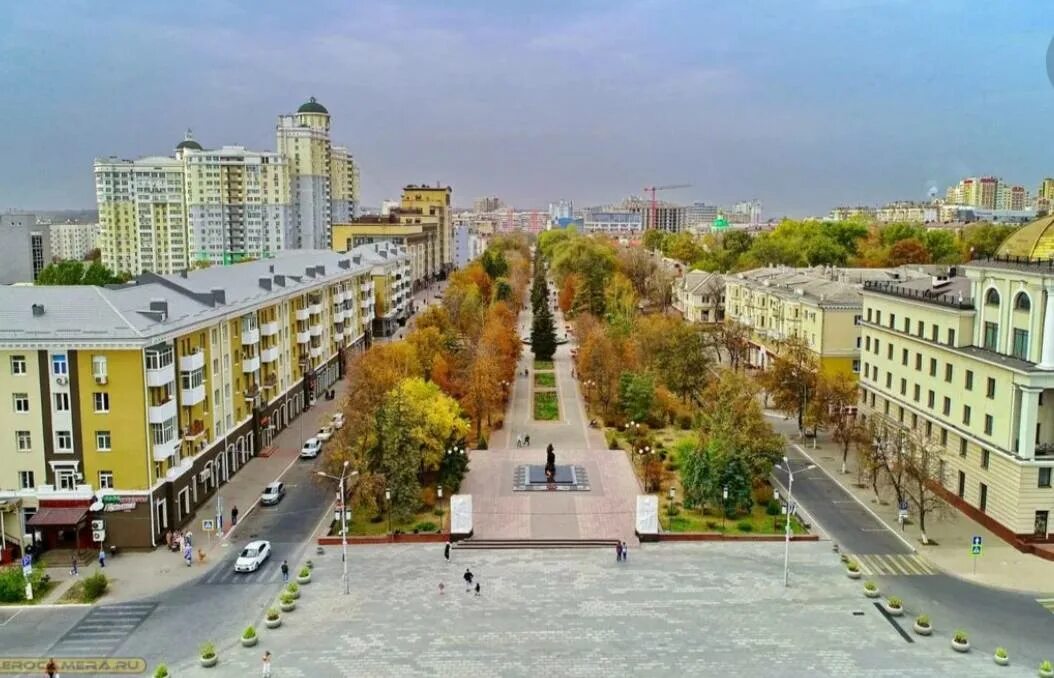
pixel 1033 241
pixel 827 285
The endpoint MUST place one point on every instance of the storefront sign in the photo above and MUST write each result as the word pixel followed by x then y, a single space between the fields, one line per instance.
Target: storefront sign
pixel 117 502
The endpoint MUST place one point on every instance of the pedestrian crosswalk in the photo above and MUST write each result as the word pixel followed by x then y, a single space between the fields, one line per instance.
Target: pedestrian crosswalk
pixel 102 630
pixel 1048 603
pixel 224 574
pixel 892 564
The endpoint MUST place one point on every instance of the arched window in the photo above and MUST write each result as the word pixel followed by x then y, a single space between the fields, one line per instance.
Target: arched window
pixel 991 297
pixel 1022 302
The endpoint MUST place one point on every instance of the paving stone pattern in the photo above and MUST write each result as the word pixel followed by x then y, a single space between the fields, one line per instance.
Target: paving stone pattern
pixel 671 610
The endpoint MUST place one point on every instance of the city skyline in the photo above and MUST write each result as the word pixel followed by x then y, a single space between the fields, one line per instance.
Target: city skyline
pixel 804 107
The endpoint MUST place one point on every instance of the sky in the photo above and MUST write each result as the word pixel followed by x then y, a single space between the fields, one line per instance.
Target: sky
pixel 802 105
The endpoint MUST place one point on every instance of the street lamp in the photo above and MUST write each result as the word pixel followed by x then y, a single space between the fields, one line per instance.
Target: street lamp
pixel 343 519
pixel 724 506
pixel 439 491
pixel 787 524
pixel 388 504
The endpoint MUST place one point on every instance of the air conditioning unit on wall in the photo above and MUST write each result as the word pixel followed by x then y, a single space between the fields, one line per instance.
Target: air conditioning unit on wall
pixel 101 379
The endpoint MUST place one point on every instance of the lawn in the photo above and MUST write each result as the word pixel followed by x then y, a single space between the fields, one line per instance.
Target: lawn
pixel 543 364
pixel 546 407
pixel 545 379
pixel 362 526
pixel 77 593
pixel 692 520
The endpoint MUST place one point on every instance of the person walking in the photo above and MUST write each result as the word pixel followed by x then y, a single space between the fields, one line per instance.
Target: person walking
pixel 266 671
pixel 52 669
pixel 625 552
pixel 102 557
pixel 446 552
pixel 73 565
pixel 477 589
pixel 234 515
pixel 285 570
pixel 441 587
pixel 618 552
pixel 468 580
pixel 188 555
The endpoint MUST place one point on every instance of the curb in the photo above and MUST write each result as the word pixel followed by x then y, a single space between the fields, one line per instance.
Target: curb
pixel 857 499
pixel 818 530
pixel 46 606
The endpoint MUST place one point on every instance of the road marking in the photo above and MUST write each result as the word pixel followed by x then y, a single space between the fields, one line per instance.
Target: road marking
pixel 1047 603
pixel 892 564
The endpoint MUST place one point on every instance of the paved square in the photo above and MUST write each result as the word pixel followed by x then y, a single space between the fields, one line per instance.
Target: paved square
pixel 672 610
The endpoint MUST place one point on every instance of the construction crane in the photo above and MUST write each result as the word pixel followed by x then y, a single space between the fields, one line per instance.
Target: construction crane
pixel 654 204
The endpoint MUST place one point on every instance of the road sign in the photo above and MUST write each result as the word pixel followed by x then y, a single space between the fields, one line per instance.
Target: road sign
pixel 975 550
pixel 27 561
pixel 208 525
pixel 977 541
pixel 27 571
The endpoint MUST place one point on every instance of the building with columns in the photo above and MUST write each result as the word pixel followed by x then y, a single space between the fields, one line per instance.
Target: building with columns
pixel 967 360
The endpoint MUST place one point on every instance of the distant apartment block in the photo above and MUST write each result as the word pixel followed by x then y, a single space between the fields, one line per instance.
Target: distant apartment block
pixel 700 296
pixel 73 241
pixel 26 248
pixel 617 224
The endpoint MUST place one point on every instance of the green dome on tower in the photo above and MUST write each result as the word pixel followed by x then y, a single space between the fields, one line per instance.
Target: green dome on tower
pixel 188 142
pixel 312 106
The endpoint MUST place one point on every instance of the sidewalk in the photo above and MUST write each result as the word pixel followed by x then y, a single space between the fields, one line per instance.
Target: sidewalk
pixel 1000 565
pixel 138 574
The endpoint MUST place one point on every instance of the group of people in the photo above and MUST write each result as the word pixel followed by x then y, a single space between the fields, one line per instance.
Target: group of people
pixel 470 579
pixel 621 552
pixel 181 542
pixel 523 440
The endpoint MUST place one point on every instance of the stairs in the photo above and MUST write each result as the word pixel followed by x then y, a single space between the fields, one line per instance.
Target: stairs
pixel 481 544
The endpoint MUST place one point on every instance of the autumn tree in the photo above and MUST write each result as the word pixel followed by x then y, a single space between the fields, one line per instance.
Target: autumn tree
pixel 638 265
pixel 908 251
pixel 568 290
pixel 791 378
pixel 836 399
pixel 734 338
pixel 599 363
pixel 922 460
pixel 733 420
pixel 432 418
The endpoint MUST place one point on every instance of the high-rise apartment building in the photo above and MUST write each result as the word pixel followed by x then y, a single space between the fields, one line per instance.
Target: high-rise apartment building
pixel 1046 189
pixel 73 241
pixel 142 214
pixel 304 139
pixel 26 248
pixel 434 201
pixel 490 203
pixel 344 180
pixel 989 193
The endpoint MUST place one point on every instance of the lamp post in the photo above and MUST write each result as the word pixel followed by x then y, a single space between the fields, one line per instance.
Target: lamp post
pixel 724 506
pixel 388 504
pixel 439 492
pixel 343 520
pixel 787 524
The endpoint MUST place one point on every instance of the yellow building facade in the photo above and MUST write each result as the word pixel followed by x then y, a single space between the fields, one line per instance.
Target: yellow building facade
pixel 434 201
pixel 133 405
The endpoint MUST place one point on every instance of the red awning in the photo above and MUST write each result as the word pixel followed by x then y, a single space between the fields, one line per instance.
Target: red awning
pixel 62 517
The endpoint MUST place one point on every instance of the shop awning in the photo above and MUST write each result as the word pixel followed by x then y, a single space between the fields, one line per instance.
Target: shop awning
pixel 62 517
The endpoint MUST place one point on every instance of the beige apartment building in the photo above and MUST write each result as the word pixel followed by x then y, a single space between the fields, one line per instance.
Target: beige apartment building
pixel 968 359
pixel 700 296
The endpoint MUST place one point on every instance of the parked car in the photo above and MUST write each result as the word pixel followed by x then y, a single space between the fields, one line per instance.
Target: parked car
pixel 252 556
pixel 272 494
pixel 311 449
pixel 324 433
pixel 338 420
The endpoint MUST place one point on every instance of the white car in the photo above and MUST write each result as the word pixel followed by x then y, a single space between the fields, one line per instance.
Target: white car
pixel 338 420
pixel 311 449
pixel 252 556
pixel 272 494
pixel 324 433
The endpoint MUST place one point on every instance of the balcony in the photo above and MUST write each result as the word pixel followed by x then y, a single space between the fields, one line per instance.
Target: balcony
pixel 339 297
pixel 316 351
pixel 158 414
pixel 252 393
pixel 302 313
pixel 269 355
pixel 251 337
pixel 302 337
pixel 315 309
pixel 161 376
pixel 191 396
pixel 166 449
pixel 192 361
pixel 269 329
pixel 338 316
pixel 349 330
pixel 194 431
pixel 270 381
pixel 366 287
pixel 251 365
pixel 315 330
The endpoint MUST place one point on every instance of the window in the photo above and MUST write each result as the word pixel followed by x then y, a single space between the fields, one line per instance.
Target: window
pixel 966 414
pixel 867 343
pixel 878 317
pixel 990 388
pixel 876 346
pixel 21 402
pixel 951 337
pixel 962 447
pixel 105 480
pixel 1020 347
pixel 889 352
pixel 907 325
pixel 991 297
pixel 23 441
pixel 101 402
pixel 988 424
pixel 64 441
pixel 102 441
pixel 889 380
pixel 856 366
pixel 918 392
pixel 62 402
pixel 1044 477
pixel 18 364
pixel 934 333
pixel 892 321
pixel 98 366
pixel 59 366
pixel 991 336
pixel 983 503
pixel 929 428
pixel 904 356
pixel 886 407
pixel 969 380
pixel 25 480
pixel 869 315
pixel 903 386
pixel 158 358
pixel 948 370
pixel 944 437
pixel 918 362
pixel 1022 303
pixel 66 477
pixel 933 367
pixel 920 328
pixel 962 484
pixel 931 398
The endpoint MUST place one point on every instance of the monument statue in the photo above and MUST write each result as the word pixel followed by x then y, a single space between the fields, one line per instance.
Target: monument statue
pixel 550 463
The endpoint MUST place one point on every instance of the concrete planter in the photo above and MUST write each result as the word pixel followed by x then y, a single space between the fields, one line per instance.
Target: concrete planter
pixel 922 630
pixel 287 607
pixel 894 611
pixel 872 593
pixel 853 574
pixel 303 580
pixel 961 647
pixel 1045 674
pixel 249 642
pixel 295 594
pixel 1002 661
pixel 273 623
pixel 210 662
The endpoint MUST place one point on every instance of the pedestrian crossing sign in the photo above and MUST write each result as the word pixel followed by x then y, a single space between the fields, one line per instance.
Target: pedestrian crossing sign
pixel 975 550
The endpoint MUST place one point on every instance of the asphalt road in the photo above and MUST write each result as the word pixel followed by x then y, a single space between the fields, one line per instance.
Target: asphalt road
pixel 992 617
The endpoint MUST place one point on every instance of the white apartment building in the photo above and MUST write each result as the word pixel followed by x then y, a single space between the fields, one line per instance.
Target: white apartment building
pixel 73 241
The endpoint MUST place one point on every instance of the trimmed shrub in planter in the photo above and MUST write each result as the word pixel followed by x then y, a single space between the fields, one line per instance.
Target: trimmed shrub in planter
pixel 161 671
pixel 960 641
pixel 1001 657
pixel 249 637
pixel 852 569
pixel 207 654
pixel 871 589
pixel 286 602
pixel 1046 669
pixel 293 589
pixel 304 576
pixel 273 620
pixel 895 606
pixel 922 625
